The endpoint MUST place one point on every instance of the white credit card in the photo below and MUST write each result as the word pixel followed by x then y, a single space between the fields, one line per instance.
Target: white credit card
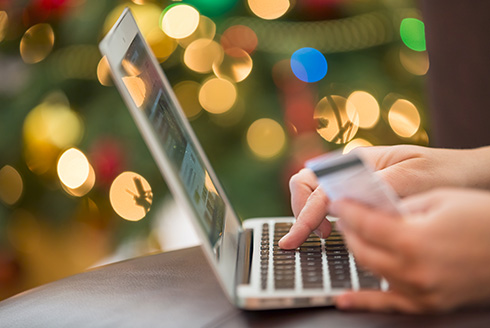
pixel 348 176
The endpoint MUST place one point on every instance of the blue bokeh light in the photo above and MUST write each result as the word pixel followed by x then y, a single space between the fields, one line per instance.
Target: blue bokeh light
pixel 309 65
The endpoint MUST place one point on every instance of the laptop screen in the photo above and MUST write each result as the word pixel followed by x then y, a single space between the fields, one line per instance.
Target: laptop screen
pixel 143 83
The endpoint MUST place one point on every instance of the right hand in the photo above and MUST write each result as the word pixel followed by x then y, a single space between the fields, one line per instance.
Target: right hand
pixel 408 169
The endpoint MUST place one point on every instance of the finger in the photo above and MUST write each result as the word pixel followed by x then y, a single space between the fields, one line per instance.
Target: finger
pixel 301 185
pixel 324 229
pixel 423 202
pixel 375 227
pixel 376 301
pixel 309 219
pixel 372 258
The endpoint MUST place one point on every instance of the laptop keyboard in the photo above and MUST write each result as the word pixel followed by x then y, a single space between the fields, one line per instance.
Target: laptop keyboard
pixel 311 256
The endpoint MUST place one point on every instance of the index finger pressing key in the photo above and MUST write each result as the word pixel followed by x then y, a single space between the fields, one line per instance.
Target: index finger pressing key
pixel 310 218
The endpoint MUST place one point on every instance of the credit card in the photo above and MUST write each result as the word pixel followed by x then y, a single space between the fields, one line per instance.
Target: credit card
pixel 348 176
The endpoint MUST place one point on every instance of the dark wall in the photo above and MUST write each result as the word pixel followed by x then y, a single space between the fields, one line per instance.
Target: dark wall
pixel 458 42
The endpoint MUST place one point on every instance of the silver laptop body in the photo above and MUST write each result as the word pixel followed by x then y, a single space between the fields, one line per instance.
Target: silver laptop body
pixel 253 271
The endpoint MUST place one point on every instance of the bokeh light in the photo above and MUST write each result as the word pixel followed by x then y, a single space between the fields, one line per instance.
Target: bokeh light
pixel 131 196
pixel 4 21
pixel 205 30
pixel 333 122
pixel 266 138
pixel 366 107
pixel 239 36
pixel 179 20
pixel 269 9
pixel 415 62
pixel 404 118
pixel 73 168
pixel 75 172
pixel 48 128
pixel 309 64
pixel 412 33
pixel 11 185
pixel 201 54
pixel 104 72
pixel 355 143
pixel 213 7
pixel 187 93
pixel 236 65
pixel 37 43
pixel 217 95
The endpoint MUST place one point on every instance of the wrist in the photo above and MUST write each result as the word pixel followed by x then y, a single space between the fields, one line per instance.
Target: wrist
pixel 477 168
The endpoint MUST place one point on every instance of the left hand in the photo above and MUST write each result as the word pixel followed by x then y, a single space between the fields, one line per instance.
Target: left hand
pixel 436 258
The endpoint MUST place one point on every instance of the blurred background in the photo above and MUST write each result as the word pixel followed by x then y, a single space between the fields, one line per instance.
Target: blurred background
pixel 266 85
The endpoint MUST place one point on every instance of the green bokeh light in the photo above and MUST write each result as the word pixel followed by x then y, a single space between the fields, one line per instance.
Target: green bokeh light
pixel 212 7
pixel 412 32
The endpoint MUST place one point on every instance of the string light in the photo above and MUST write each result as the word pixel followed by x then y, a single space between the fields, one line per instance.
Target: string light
pixel 37 43
pixel 266 138
pixel 131 196
pixel 205 30
pixel 269 9
pixel 309 65
pixel 179 21
pixel 365 106
pixel 201 54
pixel 412 33
pixel 11 185
pixel 236 65
pixel 333 122
pixel 404 118
pixel 75 172
pixel 217 95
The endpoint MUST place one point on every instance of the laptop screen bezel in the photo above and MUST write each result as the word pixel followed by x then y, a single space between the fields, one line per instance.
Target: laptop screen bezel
pixel 223 258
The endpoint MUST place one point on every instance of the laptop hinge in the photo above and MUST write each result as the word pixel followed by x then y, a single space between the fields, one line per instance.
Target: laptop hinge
pixel 244 259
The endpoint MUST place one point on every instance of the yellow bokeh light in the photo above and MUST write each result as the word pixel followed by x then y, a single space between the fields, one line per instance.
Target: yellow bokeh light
pixel 217 95
pixel 266 138
pixel 353 144
pixel 11 185
pixel 236 65
pixel 366 107
pixel 103 72
pixel 37 43
pixel 73 168
pixel 205 30
pixel 404 118
pixel 269 9
pixel 136 88
pixel 4 21
pixel 187 93
pixel 161 45
pixel 334 123
pixel 415 62
pixel 131 196
pixel 53 123
pixel 201 54
pixel 180 21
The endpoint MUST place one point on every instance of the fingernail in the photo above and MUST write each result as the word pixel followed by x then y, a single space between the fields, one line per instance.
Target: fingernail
pixel 285 237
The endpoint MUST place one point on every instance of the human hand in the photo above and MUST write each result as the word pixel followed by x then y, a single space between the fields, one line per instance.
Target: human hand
pixel 408 169
pixel 435 259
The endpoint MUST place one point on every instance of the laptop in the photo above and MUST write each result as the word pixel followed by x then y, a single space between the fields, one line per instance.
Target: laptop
pixel 252 270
